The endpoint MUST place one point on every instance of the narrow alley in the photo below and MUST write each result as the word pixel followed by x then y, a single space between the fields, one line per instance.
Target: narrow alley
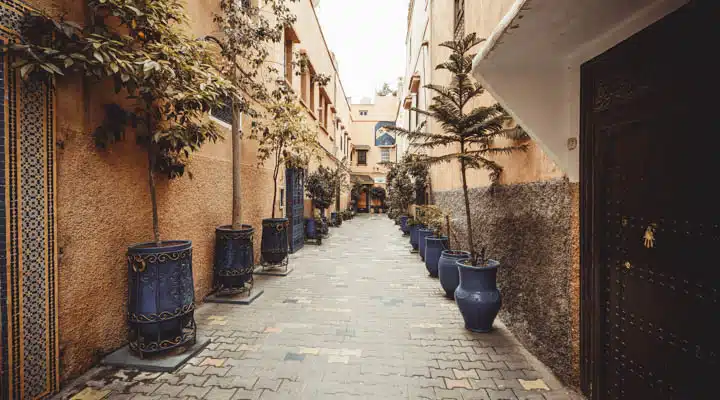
pixel 357 318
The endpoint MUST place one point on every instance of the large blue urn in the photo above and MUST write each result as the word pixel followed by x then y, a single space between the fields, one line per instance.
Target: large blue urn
pixel 423 233
pixel 404 224
pixel 234 260
pixel 448 270
pixel 274 245
pixel 477 296
pixel 434 246
pixel 161 297
pixel 414 236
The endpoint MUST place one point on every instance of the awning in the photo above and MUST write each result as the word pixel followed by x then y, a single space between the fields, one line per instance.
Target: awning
pixel 362 179
pixel 361 147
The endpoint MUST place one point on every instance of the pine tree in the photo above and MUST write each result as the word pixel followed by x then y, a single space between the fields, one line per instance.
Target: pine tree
pixel 468 134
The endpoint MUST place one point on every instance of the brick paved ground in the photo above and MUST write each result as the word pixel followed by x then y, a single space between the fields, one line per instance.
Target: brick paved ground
pixel 358 318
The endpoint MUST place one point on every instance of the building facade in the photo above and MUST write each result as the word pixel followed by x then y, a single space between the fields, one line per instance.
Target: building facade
pixel 372 145
pixel 70 211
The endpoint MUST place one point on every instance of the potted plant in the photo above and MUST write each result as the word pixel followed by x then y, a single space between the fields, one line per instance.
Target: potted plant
pixel 470 137
pixel 169 83
pixel 286 137
pixel 436 242
pixel 312 228
pixel 415 226
pixel 240 39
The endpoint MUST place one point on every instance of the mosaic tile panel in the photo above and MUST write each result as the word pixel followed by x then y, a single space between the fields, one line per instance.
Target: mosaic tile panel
pixel 28 338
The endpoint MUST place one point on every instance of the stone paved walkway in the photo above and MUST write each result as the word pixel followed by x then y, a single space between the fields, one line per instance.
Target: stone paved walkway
pixel 358 318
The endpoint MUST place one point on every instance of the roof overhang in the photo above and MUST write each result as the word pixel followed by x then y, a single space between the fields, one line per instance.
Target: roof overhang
pixel 414 83
pixel 361 147
pixel 531 62
pixel 407 103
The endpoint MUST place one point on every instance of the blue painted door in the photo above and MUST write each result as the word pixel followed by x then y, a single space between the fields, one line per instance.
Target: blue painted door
pixel 295 179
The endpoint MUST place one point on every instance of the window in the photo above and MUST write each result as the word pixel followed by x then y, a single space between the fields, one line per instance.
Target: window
pixel 223 111
pixel 385 155
pixel 459 18
pixel 362 157
pixel 363 113
pixel 312 95
pixel 304 83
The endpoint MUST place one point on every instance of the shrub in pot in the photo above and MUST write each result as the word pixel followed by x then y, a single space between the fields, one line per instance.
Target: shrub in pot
pixel 448 270
pixel 415 227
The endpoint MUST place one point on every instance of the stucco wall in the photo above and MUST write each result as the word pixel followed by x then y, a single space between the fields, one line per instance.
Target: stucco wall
pixel 532 229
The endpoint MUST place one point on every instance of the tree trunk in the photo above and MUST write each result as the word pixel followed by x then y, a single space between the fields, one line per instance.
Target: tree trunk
pixel 471 246
pixel 153 194
pixel 237 168
pixel 275 176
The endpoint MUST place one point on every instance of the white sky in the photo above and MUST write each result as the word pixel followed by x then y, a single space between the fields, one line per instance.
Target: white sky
pixel 368 38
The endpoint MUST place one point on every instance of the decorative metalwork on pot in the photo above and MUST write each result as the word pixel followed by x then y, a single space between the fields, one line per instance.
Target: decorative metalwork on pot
pixel 434 246
pixel 274 245
pixel 234 260
pixel 448 270
pixel 477 295
pixel 423 233
pixel 161 297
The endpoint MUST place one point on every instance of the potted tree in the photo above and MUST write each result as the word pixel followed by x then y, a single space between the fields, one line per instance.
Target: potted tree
pixel 246 34
pixel 287 138
pixel 469 136
pixel 169 83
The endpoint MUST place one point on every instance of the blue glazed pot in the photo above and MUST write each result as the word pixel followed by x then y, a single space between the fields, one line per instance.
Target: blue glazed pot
pixel 274 245
pixel 434 246
pixel 477 296
pixel 414 236
pixel 333 219
pixel 404 224
pixel 423 233
pixel 310 228
pixel 448 270
pixel 161 296
pixel 234 259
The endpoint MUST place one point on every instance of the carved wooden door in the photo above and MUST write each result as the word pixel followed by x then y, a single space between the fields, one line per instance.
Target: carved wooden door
pixel 651 165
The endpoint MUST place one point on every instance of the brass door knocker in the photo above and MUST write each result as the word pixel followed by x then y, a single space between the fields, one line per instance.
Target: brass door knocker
pixel 649 237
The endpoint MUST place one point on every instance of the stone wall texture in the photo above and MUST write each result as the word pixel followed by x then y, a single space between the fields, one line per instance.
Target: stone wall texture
pixel 532 229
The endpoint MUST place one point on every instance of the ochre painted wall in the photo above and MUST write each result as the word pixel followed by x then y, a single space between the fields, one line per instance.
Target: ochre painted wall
pixel 103 203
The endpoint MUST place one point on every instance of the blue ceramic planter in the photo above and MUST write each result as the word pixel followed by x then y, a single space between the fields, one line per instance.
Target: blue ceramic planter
pixel 448 270
pixel 234 259
pixel 414 236
pixel 274 245
pixel 423 233
pixel 161 296
pixel 434 246
pixel 477 296
pixel 404 224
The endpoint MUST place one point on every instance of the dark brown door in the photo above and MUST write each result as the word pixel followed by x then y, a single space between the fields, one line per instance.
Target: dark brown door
pixel 651 167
